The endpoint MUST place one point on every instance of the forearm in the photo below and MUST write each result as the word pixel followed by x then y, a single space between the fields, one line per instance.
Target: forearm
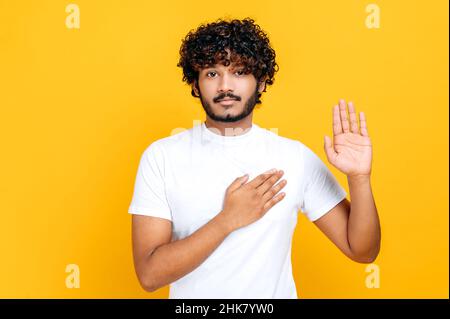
pixel 174 260
pixel 363 230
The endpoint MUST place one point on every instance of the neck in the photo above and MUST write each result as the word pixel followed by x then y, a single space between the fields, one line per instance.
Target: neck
pixel 229 128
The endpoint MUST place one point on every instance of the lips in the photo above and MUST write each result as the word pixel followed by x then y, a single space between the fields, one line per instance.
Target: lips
pixel 226 101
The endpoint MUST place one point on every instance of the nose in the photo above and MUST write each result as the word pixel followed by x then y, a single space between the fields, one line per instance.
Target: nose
pixel 225 84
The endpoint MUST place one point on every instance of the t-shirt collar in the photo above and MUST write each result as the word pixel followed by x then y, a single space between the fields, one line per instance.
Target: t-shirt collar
pixel 228 139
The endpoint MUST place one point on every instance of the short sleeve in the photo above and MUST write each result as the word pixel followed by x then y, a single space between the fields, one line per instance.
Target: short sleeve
pixel 321 190
pixel 149 196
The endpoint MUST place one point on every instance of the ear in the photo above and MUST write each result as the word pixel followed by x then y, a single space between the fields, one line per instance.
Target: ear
pixel 195 88
pixel 262 85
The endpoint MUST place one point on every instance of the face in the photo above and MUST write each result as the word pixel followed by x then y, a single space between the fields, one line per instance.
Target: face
pixel 226 93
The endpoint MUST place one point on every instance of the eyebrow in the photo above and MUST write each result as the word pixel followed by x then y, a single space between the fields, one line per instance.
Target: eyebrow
pixel 232 67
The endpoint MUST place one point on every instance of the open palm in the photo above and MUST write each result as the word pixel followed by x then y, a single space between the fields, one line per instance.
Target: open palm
pixel 351 151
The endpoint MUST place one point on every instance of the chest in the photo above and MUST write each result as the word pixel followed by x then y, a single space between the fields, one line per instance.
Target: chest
pixel 196 190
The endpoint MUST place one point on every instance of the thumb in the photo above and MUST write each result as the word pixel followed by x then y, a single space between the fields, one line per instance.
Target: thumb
pixel 328 147
pixel 238 182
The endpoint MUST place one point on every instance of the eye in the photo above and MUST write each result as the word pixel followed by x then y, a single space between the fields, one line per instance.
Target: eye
pixel 208 73
pixel 241 72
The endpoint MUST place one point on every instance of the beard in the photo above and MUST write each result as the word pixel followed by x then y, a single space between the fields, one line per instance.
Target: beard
pixel 248 108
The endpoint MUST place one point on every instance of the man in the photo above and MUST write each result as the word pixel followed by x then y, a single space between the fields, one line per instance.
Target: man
pixel 209 216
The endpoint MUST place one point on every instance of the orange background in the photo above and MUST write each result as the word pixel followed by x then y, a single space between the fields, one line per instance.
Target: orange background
pixel 79 106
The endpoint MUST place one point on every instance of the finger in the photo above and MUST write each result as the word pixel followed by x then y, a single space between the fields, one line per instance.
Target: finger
pixel 258 180
pixel 353 120
pixel 264 187
pixel 337 126
pixel 274 190
pixel 269 204
pixel 238 182
pixel 362 123
pixel 344 119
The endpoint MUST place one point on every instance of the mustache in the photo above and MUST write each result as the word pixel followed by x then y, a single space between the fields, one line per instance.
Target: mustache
pixel 226 95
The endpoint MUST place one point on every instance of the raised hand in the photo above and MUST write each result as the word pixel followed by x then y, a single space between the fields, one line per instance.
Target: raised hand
pixel 351 150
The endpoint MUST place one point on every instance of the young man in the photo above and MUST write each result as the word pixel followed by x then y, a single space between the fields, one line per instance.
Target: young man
pixel 209 217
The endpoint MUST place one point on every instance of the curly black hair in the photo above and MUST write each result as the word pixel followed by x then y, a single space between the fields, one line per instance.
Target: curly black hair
pixel 249 48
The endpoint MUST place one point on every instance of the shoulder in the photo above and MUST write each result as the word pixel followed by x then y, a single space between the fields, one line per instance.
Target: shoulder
pixel 173 142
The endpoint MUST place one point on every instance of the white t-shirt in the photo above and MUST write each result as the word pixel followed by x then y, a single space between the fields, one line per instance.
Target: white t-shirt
pixel 183 178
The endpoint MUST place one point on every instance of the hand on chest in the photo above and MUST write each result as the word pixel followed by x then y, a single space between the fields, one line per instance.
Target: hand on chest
pixel 196 194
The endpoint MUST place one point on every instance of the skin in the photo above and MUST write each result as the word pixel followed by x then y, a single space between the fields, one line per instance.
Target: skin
pixel 228 81
pixel 352 226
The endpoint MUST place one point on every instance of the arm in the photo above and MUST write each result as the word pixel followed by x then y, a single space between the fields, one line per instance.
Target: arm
pixel 364 233
pixel 353 227
pixel 169 261
pixel 159 262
